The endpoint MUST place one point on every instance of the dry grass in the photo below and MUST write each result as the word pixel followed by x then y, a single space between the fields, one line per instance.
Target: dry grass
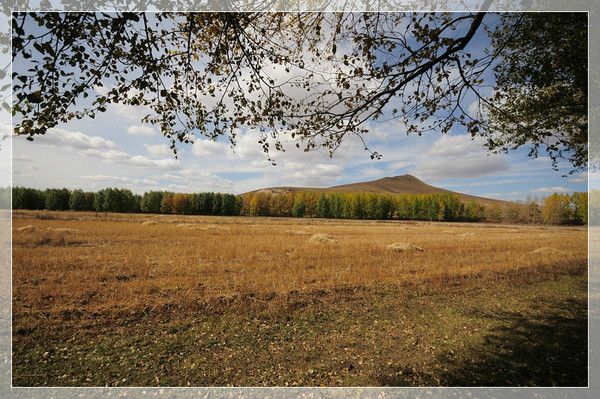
pixel 105 273
pixel 220 257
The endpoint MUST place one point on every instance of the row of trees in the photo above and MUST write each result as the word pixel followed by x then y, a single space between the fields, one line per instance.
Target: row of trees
pixel 554 209
pixel 122 200
pixel 106 200
pixel 191 204
pixel 440 207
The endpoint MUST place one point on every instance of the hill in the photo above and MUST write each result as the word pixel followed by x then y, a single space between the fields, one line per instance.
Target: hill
pixel 404 184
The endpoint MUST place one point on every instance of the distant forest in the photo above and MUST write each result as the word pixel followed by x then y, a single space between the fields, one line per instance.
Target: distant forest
pixel 556 209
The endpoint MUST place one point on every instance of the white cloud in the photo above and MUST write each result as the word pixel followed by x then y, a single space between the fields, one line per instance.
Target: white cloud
pixel 22 174
pixel 312 175
pixel 124 158
pixel 141 130
pixel 209 148
pixel 99 147
pixel 579 178
pixel 458 157
pixel 193 180
pixel 119 179
pixel 550 190
pixel 159 149
pixel 75 140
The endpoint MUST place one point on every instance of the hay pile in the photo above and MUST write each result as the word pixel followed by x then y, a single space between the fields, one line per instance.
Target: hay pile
pixel 185 225
pixel 148 222
pixel 322 238
pixel 27 229
pixel 63 230
pixel 404 247
pixel 210 228
pixel 546 251
pixel 296 232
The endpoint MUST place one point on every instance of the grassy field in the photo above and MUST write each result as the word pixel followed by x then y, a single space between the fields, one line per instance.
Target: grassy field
pixel 117 299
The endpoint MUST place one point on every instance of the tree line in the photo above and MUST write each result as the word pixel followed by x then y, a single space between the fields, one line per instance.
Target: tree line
pixel 556 209
pixel 123 200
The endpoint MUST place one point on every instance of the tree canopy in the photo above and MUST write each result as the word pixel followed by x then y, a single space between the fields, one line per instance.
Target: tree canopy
pixel 314 77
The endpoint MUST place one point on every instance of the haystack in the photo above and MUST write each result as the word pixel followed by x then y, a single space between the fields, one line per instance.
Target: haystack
pixel 404 247
pixel 62 230
pixel 547 251
pixel 322 238
pixel 27 229
pixel 296 232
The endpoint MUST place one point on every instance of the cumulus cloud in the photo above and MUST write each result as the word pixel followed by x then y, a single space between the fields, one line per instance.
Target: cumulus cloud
pixel 141 130
pixel 125 158
pixel 99 147
pixel 159 149
pixel 193 180
pixel 458 157
pixel 550 190
pixel 209 148
pixel 579 178
pixel 312 175
pixel 119 179
pixel 76 140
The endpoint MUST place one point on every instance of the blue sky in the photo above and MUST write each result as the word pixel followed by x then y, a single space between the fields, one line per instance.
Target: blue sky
pixel 116 150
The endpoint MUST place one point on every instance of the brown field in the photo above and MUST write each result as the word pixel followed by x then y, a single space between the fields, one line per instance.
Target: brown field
pixel 118 299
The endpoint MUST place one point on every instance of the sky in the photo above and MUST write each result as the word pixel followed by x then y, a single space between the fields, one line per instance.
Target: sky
pixel 116 150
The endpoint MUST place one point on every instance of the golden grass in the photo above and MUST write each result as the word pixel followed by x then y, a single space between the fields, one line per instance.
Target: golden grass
pixel 119 262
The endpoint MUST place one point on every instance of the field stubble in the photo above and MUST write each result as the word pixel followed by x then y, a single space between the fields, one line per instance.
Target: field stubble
pixel 213 282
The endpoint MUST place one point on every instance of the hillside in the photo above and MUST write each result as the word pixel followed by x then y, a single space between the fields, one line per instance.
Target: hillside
pixel 404 184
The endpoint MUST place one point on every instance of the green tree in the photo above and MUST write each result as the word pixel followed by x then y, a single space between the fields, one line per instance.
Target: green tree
pixel 57 199
pixel 27 198
pixel 541 86
pixel 151 201
pixel 217 204
pixel 299 206
pixel 229 205
pixel 77 200
pixel 99 200
pixel 323 206
pixel 579 203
